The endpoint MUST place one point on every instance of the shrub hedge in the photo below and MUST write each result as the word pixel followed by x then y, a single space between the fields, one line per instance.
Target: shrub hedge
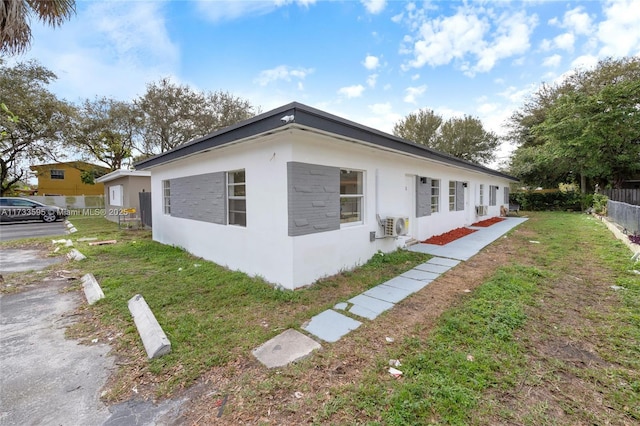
pixel 552 200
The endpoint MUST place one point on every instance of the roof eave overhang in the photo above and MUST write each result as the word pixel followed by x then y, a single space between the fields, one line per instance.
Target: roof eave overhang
pixel 308 118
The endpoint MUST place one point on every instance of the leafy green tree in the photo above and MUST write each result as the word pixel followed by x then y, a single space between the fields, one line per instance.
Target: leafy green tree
pixel 421 127
pixel 467 139
pixel 15 31
pixel 33 130
pixel 464 138
pixel 106 130
pixel 588 130
pixel 176 114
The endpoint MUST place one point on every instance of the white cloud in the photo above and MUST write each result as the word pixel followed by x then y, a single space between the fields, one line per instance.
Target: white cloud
pixel 565 41
pixel 415 77
pixel 517 96
pixel 619 32
pixel 411 93
pixel 374 6
pixel 487 108
pixel 351 91
pixel 114 50
pixel 446 38
pixel 546 45
pixel 472 34
pixel 552 61
pixel 371 62
pixel 282 73
pixel 584 62
pixel 578 21
pixel 228 10
pixel 372 80
pixel 512 39
pixel 381 117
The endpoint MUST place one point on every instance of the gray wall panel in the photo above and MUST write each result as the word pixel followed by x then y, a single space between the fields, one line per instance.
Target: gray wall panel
pixel 313 198
pixel 200 197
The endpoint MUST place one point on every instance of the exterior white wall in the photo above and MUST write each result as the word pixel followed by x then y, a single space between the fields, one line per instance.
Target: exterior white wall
pixel 264 248
pixel 327 253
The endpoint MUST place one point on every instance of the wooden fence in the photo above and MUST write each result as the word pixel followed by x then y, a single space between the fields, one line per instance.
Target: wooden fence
pixel 629 196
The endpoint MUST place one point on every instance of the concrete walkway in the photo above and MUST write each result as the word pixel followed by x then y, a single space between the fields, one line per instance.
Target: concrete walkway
pixel 332 324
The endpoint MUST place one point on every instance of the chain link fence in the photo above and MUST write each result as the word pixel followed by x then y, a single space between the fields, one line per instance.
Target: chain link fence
pixel 625 215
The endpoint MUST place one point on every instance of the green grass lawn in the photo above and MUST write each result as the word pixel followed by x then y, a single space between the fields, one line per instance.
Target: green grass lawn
pixel 486 349
pixel 209 313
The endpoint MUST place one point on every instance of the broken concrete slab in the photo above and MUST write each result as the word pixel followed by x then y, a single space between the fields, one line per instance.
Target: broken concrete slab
pixel 74 254
pixel 92 290
pixel 330 325
pixel 154 339
pixel 413 282
pixel 443 261
pixel 419 275
pixel 387 293
pixel 433 268
pixel 285 348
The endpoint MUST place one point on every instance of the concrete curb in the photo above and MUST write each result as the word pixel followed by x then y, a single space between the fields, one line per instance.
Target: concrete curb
pixel 153 338
pixel 617 232
pixel 76 255
pixel 92 290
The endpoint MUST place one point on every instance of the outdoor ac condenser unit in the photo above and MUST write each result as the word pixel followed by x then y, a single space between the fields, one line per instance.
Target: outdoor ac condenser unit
pixel 482 210
pixel 395 226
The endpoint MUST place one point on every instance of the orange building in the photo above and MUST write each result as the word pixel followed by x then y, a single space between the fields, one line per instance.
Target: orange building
pixel 66 178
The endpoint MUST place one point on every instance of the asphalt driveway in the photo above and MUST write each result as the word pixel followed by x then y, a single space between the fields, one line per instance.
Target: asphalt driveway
pixel 47 379
pixel 29 229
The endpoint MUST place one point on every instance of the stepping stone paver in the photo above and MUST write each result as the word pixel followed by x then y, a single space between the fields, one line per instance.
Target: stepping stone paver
pixel 285 348
pixel 387 293
pixel 419 275
pixel 433 268
pixel 330 325
pixel 368 307
pixel 443 261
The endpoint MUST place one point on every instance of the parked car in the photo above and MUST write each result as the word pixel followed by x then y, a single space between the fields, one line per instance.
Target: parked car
pixel 13 209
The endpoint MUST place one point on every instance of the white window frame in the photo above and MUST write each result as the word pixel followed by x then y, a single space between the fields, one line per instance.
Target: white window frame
pixel 452 195
pixel 435 195
pixel 166 197
pixel 359 198
pixel 481 199
pixel 230 198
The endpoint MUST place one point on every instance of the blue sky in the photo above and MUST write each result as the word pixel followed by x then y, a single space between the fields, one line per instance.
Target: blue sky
pixel 369 61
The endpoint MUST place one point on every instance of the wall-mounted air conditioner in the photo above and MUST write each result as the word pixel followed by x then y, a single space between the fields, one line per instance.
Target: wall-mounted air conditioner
pixel 482 210
pixel 395 226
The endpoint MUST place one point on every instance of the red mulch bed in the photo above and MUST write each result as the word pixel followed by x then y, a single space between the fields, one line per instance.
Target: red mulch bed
pixel 447 237
pixel 488 222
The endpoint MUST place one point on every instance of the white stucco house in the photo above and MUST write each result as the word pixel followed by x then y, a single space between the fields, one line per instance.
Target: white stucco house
pixel 297 194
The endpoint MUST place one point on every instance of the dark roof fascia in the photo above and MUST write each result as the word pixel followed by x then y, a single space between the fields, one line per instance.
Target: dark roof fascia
pixel 316 119
pixel 253 126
